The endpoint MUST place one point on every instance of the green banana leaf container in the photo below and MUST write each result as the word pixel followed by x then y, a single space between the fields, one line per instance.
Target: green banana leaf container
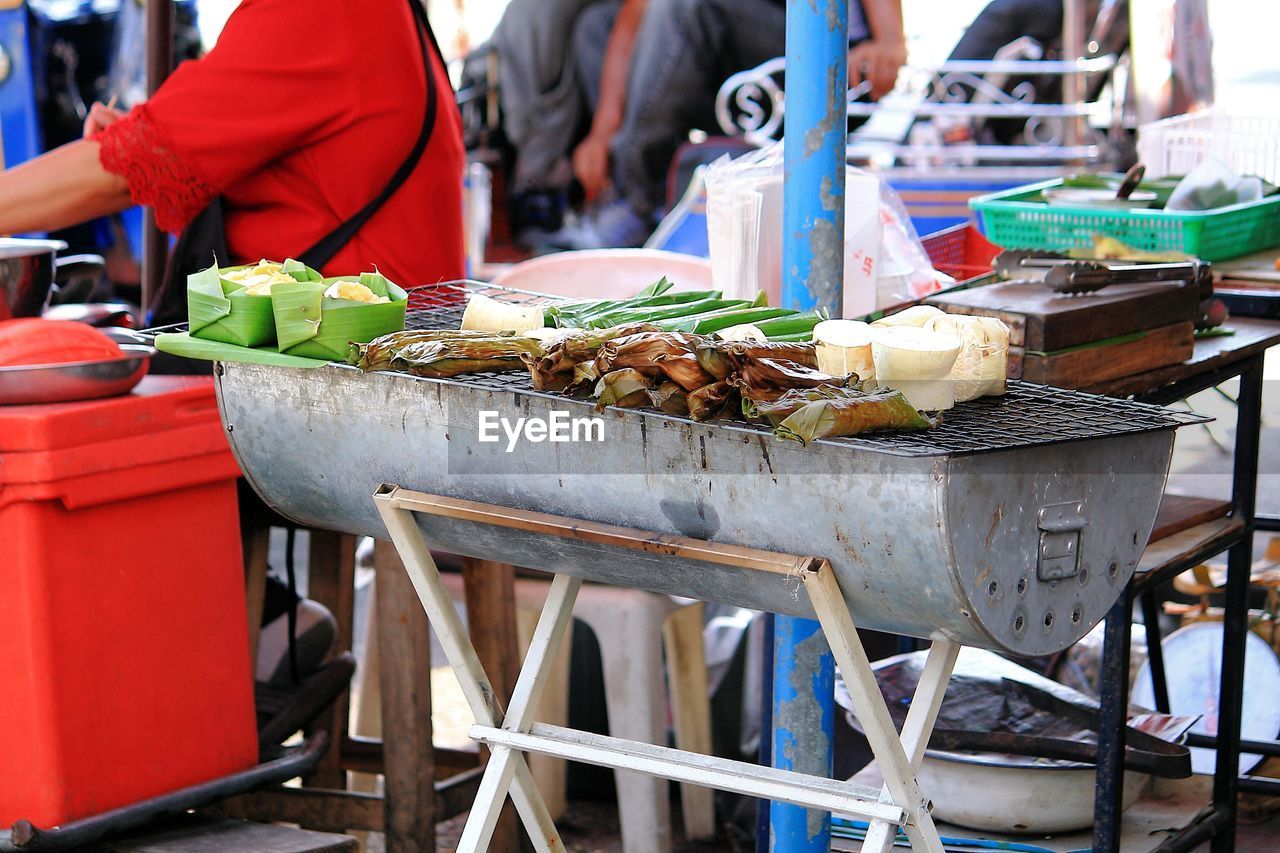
pixel 219 309
pixel 312 325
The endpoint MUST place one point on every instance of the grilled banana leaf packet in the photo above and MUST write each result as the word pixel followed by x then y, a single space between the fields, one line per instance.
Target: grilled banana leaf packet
pixel 852 413
pixel 661 355
pixel 768 379
pixel 321 319
pixel 723 359
pixel 776 410
pixel 670 398
pixel 556 369
pixel 626 388
pixel 377 353
pixel 639 351
pixel 710 400
pixel 443 354
pixel 234 305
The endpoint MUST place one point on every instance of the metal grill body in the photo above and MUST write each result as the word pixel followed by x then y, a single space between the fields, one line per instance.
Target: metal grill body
pixel 1012 527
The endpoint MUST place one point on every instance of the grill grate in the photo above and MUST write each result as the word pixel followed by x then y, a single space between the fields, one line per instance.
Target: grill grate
pixel 1028 415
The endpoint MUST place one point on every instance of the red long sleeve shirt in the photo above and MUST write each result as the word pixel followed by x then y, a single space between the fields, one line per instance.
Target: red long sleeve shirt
pixel 298 117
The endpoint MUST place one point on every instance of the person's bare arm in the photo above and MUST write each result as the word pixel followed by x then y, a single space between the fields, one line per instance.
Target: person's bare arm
pixel 591 158
pixel 63 187
pixel 879 58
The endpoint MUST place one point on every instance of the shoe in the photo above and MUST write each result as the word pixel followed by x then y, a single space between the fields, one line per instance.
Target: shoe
pixel 535 214
pixel 611 225
pixel 314 634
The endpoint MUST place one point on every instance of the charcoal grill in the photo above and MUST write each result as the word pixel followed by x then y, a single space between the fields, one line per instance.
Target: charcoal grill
pixel 1013 527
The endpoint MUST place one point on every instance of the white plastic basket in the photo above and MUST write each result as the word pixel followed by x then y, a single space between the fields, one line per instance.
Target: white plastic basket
pixel 1248 144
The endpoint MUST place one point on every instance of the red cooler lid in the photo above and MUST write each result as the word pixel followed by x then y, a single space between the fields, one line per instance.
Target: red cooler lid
pixel 158 402
pixel 166 419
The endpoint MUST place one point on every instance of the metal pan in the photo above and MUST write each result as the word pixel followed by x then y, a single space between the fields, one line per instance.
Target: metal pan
pixel 26 275
pixel 84 380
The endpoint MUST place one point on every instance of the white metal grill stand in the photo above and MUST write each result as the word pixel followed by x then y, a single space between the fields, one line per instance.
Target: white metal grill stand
pixel 510 734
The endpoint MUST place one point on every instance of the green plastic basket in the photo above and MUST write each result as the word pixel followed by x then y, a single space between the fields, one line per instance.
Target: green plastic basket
pixel 1017 219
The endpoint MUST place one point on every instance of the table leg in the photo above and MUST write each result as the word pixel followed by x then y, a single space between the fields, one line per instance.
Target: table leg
pixel 256 541
pixel 1235 625
pixel 557 613
pixel 687 681
pixel 491 620
pixel 404 643
pixel 1112 720
pixel 331 581
pixel 1155 648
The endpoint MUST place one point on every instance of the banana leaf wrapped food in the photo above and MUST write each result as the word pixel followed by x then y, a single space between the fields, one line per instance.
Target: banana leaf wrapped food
pixel 670 398
pixel 709 400
pixel 657 354
pixel 377 353
pixel 722 358
pixel 777 409
pixel 322 319
pixel 767 379
pixel 584 378
pixel 555 369
pixel 849 413
pixel 626 388
pixel 443 354
pixel 233 305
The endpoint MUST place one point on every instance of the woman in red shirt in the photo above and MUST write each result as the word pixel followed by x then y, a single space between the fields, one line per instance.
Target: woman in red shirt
pixel 296 120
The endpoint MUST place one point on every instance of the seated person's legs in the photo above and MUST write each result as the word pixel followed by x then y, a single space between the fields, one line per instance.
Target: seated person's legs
pixel 1004 21
pixel 543 109
pixel 590 39
pixel 684 51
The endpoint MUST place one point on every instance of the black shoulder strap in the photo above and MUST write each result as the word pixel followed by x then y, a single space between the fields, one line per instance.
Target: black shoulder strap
pixel 330 244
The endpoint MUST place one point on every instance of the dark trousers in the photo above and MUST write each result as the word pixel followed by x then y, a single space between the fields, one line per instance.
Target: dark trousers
pixel 685 51
pixel 1004 21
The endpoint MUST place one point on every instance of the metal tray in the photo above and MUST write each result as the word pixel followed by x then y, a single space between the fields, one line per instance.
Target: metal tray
pixel 82 380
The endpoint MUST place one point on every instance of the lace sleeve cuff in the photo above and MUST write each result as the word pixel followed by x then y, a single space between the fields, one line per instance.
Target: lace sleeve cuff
pixel 139 151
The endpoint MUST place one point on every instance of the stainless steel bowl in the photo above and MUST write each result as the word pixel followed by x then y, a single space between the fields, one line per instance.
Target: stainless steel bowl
pixel 82 380
pixel 26 275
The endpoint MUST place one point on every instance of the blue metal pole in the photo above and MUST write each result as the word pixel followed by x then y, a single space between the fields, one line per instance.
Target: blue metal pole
pixel 814 154
pixel 812 277
pixel 803 728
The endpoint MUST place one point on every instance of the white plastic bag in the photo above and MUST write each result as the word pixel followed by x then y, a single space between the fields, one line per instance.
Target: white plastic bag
pixel 736 190
pixel 906 273
pixel 883 259
pixel 1211 184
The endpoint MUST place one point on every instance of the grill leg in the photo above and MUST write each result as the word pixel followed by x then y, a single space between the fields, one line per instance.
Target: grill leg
pixel 921 717
pixel 869 705
pixel 556 615
pixel 506 768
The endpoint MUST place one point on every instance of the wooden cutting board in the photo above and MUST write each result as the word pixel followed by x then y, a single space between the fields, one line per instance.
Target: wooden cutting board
pixel 1040 320
pixel 1080 367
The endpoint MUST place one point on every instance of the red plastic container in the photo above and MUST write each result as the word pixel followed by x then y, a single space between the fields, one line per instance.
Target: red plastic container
pixel 124 654
pixel 961 252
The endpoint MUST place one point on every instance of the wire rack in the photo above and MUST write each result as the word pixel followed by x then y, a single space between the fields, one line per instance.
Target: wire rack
pixel 1028 415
